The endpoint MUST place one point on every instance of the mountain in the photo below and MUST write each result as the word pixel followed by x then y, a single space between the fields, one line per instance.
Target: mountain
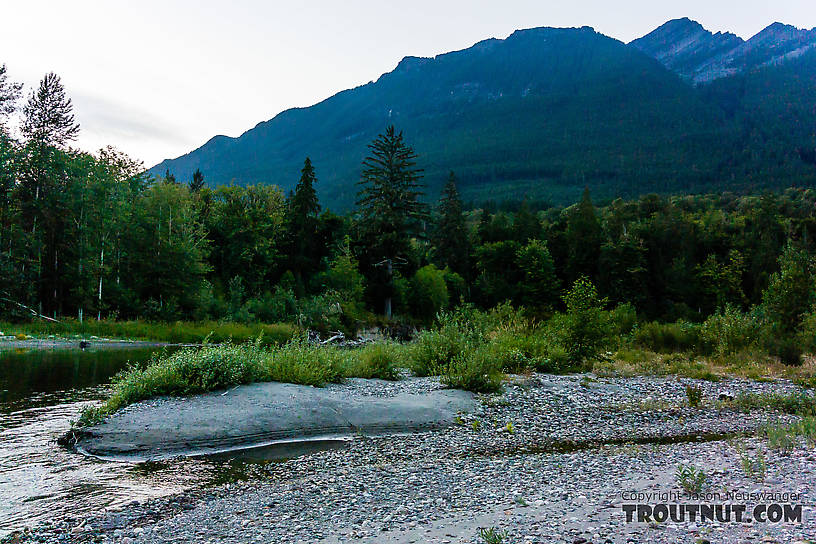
pixel 684 46
pixel 542 114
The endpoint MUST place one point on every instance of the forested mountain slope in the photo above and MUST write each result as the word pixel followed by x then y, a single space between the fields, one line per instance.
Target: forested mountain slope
pixel 543 114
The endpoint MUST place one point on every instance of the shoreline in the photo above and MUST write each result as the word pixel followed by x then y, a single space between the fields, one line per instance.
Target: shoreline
pixel 11 342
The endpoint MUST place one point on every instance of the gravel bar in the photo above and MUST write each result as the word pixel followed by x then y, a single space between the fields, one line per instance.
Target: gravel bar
pixel 546 461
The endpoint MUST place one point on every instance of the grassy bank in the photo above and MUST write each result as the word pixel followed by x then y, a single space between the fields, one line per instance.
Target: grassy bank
pixel 467 348
pixel 209 368
pixel 179 332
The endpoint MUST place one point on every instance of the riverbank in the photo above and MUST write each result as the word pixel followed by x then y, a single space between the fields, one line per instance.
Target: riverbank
pixel 545 460
pixel 177 332
pixel 13 342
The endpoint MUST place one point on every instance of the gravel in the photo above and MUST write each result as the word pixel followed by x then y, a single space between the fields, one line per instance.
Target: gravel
pixel 545 461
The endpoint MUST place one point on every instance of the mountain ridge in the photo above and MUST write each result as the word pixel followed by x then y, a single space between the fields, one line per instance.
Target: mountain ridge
pixel 697 54
pixel 538 114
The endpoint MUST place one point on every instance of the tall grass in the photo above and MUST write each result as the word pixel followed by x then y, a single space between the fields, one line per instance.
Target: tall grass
pixel 179 332
pixel 382 360
pixel 191 371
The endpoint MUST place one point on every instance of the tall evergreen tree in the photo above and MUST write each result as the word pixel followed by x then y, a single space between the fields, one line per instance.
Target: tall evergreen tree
pixel 450 236
pixel 303 225
pixel 389 206
pixel 48 126
pixel 483 228
pixel 197 183
pixel 304 202
pixel 48 115
pixel 583 239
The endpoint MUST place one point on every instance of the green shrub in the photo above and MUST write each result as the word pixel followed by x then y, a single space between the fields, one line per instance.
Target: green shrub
pixel 781 439
pixel 684 365
pixel 754 467
pixel 623 319
pixel 517 351
pixel 454 331
pixel 694 395
pixel 434 349
pixel 278 305
pixel 557 361
pixel 376 361
pixel 807 428
pixel 428 292
pixel 585 327
pixel 670 337
pixel 184 372
pixel 787 349
pixel 791 293
pixel 457 287
pixel 199 370
pixel 785 438
pixel 730 331
pixel 493 536
pixel 807 335
pixel 473 371
pixel 691 478
pixel 344 286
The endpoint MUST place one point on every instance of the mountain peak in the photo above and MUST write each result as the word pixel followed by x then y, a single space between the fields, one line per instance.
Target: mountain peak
pixel 411 63
pixel 778 33
pixel 685 47
pixel 682 23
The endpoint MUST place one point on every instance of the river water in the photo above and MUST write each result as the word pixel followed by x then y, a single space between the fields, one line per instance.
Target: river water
pixel 41 392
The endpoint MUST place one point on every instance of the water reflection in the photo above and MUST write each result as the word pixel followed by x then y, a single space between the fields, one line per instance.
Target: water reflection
pixel 41 392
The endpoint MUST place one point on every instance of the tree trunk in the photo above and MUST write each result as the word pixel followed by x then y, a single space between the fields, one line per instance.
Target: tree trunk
pixel 101 270
pixel 389 270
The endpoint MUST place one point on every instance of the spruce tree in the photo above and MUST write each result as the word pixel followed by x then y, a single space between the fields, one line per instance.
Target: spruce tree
pixel 389 206
pixel 303 225
pixel 451 236
pixel 48 115
pixel 304 203
pixel 48 126
pixel 197 183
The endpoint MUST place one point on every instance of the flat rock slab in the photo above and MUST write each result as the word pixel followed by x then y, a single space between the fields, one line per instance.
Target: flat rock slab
pixel 261 414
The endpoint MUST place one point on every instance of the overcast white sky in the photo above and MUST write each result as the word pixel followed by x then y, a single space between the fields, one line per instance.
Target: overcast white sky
pixel 157 78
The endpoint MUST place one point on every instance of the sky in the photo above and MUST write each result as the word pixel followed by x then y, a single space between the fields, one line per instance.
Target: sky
pixel 157 79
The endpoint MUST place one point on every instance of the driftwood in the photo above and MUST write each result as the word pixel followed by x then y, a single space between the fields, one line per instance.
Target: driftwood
pixel 34 312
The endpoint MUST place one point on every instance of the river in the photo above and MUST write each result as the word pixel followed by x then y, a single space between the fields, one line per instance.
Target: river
pixel 41 392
